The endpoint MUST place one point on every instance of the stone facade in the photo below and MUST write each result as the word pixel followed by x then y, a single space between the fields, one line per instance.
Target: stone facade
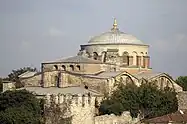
pixel 69 79
pixel 32 81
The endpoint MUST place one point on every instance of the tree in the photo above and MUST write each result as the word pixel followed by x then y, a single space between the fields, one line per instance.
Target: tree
pixel 182 81
pixel 18 115
pixel 19 107
pixel 15 73
pixel 13 76
pixel 146 100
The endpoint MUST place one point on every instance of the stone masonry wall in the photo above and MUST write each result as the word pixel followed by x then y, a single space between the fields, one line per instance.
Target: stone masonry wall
pixel 125 118
pixel 68 79
pixel 82 107
pixel 32 81
pixel 8 86
pixel 99 85
pixel 182 100
pixel 82 110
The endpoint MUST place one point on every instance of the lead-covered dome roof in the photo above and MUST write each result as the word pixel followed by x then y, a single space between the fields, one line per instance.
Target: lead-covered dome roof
pixel 115 36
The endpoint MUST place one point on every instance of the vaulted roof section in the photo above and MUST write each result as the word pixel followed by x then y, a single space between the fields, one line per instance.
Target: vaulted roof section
pixel 76 59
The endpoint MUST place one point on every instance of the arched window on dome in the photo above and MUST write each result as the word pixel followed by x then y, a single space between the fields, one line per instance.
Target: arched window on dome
pixel 142 59
pixel 95 55
pixel 126 58
pixel 134 58
pixel 88 54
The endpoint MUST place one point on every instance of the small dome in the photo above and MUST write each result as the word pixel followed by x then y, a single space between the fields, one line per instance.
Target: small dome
pixel 115 36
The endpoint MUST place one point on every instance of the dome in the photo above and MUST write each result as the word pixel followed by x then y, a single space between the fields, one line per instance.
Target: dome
pixel 115 36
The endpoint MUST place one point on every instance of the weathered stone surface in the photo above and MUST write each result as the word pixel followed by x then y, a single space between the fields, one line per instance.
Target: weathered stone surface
pixel 125 118
pixel 82 107
pixel 182 100
pixel 8 85
pixel 82 110
pixel 32 81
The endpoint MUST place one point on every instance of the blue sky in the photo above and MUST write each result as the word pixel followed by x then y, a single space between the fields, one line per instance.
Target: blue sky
pixel 33 31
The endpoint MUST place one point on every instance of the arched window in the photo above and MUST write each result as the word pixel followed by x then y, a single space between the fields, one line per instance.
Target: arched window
pixel 138 61
pixel 162 83
pixel 122 80
pixel 71 68
pixel 168 84
pixel 129 80
pixel 95 55
pixel 103 56
pixel 55 67
pixel 142 59
pixel 134 58
pixel 156 82
pixel 63 67
pixel 88 54
pixel 56 81
pixel 78 67
pixel 83 100
pixel 126 58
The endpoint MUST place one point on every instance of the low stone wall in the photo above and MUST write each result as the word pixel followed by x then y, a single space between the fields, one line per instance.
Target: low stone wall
pixel 125 118
pixel 182 100
pixel 8 86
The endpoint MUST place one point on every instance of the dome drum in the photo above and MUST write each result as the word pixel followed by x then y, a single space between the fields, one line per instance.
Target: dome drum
pixel 110 47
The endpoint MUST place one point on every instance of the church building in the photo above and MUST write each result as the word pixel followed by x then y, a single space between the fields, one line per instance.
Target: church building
pixel 109 58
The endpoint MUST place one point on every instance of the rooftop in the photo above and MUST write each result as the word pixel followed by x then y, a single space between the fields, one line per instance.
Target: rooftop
pixel 66 90
pixel 176 117
pixel 76 59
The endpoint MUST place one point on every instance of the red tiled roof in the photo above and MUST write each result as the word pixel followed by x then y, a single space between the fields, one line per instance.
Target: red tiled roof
pixel 174 117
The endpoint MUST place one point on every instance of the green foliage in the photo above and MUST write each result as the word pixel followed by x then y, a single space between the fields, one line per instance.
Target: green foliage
pixel 146 100
pixel 19 107
pixel 182 81
pixel 18 115
pixel 15 73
